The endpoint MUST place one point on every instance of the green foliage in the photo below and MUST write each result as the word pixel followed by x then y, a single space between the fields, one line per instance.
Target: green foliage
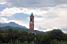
pixel 14 36
pixel 58 42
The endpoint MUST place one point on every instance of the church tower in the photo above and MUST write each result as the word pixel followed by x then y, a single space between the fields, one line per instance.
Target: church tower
pixel 31 24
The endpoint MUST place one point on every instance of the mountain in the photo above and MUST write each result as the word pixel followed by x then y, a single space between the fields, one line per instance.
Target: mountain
pixel 14 26
pixel 11 24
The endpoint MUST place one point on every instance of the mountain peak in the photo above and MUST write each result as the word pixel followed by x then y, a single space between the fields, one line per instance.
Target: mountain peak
pixel 11 24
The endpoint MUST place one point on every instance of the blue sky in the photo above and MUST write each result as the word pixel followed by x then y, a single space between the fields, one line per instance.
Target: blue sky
pixel 49 14
pixel 2 7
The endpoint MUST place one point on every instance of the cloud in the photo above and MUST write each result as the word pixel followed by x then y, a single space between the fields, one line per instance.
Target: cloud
pixel 3 20
pixel 14 10
pixel 32 3
pixel 35 3
pixel 56 18
pixel 46 18
pixel 9 11
pixel 3 1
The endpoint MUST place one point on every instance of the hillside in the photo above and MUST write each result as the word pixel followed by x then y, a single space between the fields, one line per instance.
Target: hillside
pixel 15 35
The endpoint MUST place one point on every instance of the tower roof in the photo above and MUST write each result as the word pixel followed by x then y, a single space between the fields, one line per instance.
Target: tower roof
pixel 31 14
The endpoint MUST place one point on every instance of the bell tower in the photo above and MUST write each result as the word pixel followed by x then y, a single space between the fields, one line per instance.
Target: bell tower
pixel 31 24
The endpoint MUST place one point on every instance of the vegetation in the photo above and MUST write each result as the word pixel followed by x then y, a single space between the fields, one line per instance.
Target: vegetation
pixel 13 36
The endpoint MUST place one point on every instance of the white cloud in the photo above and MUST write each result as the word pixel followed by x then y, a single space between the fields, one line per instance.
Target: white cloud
pixel 45 19
pixel 9 11
pixel 14 10
pixel 3 20
pixel 3 1
pixel 58 21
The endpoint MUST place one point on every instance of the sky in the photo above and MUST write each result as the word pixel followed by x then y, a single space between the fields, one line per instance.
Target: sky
pixel 49 14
